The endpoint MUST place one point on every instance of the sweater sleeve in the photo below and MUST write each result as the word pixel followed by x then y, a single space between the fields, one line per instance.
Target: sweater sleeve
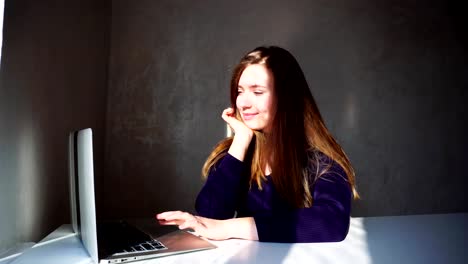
pixel 220 195
pixel 327 220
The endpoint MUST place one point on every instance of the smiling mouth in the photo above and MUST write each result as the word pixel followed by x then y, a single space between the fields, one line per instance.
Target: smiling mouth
pixel 248 116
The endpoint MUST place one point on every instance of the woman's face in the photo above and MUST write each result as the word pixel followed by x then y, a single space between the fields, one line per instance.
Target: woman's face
pixel 255 97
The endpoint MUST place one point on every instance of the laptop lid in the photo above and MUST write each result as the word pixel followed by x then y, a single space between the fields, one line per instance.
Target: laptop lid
pixel 82 201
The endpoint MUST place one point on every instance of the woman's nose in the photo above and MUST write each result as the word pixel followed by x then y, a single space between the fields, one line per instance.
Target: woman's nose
pixel 244 101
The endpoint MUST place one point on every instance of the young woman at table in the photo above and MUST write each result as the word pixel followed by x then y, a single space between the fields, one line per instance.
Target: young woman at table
pixel 282 177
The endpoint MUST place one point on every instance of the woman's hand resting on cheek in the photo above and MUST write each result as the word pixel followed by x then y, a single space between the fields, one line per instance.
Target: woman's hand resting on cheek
pixel 238 126
pixel 242 134
pixel 205 227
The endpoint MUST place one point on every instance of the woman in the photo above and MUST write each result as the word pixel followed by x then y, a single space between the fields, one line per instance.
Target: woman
pixel 282 177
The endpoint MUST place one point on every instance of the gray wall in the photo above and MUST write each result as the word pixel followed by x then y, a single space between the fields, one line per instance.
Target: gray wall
pixel 390 80
pixel 53 80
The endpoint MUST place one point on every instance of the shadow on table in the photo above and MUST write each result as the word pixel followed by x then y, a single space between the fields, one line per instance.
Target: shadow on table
pixel 416 239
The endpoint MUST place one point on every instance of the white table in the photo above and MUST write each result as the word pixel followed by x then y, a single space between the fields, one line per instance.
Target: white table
pixel 438 238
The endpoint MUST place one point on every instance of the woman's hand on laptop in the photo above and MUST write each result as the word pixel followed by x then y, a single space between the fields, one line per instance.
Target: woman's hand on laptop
pixel 211 228
pixel 206 227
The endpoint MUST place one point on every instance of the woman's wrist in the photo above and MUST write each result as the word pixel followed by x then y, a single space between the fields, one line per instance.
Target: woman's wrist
pixel 239 145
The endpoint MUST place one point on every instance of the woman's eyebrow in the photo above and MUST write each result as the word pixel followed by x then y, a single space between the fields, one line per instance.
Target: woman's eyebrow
pixel 252 86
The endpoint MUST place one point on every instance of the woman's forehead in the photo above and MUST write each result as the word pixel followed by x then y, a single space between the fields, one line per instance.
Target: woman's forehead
pixel 256 75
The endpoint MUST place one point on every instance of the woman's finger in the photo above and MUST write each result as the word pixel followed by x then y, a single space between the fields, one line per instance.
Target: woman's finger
pixel 172 215
pixel 229 118
pixel 227 114
pixel 163 215
pixel 182 216
pixel 228 111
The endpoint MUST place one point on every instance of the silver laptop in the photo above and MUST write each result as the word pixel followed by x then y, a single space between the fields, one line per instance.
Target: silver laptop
pixel 117 241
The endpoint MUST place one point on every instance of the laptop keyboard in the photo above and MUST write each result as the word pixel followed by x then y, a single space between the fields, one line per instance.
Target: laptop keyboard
pixel 119 237
pixel 149 246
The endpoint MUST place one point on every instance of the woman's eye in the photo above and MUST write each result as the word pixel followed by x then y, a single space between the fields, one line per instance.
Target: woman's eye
pixel 239 91
pixel 258 93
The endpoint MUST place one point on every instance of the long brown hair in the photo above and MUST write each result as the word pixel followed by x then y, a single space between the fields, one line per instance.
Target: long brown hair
pixel 298 130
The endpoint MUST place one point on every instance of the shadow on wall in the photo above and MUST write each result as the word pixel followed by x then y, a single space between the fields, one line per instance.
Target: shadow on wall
pixel 141 156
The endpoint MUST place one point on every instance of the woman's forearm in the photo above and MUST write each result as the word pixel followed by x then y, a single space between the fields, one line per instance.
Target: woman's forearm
pixel 243 228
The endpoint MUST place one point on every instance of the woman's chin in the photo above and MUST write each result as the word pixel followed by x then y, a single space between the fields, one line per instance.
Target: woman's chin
pixel 256 127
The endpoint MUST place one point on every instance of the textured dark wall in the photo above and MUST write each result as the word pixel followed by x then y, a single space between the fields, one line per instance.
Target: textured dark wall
pixel 390 80
pixel 53 80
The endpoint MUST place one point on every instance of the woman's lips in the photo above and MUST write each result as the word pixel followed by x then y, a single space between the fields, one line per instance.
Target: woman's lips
pixel 248 116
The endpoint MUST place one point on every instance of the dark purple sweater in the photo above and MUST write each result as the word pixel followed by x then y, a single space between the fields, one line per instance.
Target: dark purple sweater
pixel 227 191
